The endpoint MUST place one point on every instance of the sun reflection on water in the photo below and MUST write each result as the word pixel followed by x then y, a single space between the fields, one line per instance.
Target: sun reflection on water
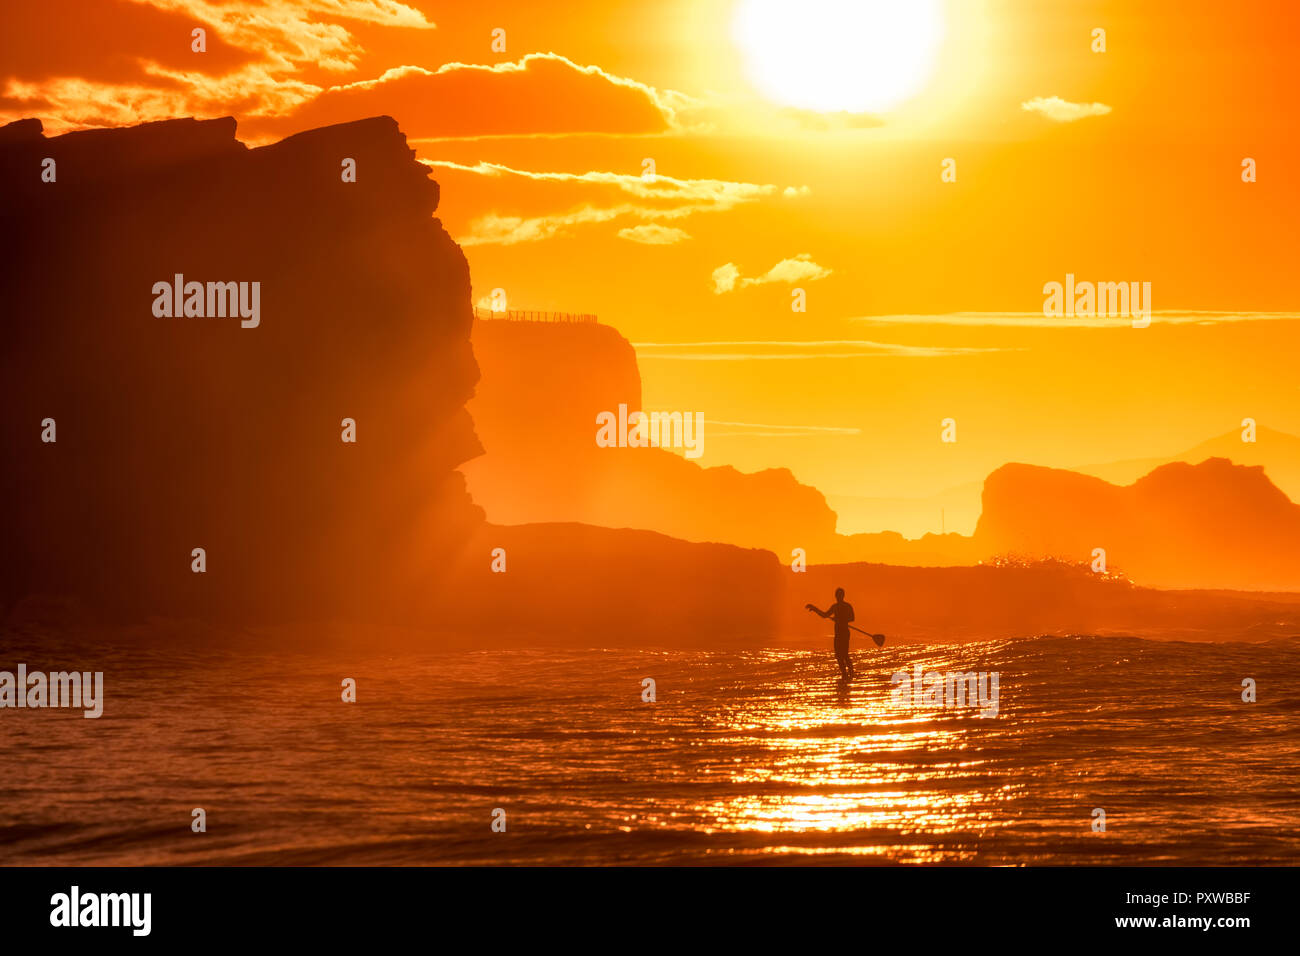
pixel 850 771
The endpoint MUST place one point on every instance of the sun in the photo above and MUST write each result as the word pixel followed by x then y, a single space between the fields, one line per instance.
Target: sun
pixel 857 56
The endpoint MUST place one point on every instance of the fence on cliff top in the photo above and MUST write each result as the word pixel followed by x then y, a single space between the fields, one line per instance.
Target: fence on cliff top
pixel 522 315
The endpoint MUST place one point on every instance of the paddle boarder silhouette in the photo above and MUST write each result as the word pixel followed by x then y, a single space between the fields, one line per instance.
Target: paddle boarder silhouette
pixel 842 612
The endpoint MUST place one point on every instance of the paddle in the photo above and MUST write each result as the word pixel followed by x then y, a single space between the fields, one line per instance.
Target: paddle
pixel 879 639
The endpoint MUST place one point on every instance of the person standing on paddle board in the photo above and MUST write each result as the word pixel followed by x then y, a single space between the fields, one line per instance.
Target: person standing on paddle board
pixel 842 612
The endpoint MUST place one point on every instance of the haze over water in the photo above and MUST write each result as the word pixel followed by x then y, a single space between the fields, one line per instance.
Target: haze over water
pixel 747 756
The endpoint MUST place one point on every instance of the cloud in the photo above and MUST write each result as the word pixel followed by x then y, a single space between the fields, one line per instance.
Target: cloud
pixel 1038 320
pixel 88 39
pixel 266 42
pixel 600 197
pixel 291 33
pixel 653 234
pixel 755 430
pixel 1063 111
pixel 724 278
pixel 746 351
pixel 70 103
pixel 801 268
pixel 541 94
pixel 719 113
pixel 719 192
pixel 496 230
pixel 815 120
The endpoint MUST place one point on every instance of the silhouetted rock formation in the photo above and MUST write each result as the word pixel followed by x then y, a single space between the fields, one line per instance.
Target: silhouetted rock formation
pixel 602 587
pixel 543 384
pixel 181 432
pixel 1211 525
pixel 185 432
pixel 1277 452
pixel 535 410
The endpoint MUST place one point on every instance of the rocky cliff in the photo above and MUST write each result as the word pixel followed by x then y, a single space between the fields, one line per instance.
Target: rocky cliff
pixel 191 330
pixel 175 432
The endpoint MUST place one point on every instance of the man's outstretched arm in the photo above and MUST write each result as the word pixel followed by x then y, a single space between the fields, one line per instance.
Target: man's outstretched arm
pixel 819 613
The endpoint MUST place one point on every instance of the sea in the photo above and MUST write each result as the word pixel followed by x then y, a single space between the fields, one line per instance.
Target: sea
pixel 1102 750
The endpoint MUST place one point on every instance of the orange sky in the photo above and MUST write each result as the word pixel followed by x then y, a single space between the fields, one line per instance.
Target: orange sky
pixel 540 151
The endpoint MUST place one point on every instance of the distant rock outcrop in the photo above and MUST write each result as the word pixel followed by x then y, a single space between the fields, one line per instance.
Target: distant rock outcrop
pixel 1210 525
pixel 1214 525
pixel 535 410
pixel 1276 451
